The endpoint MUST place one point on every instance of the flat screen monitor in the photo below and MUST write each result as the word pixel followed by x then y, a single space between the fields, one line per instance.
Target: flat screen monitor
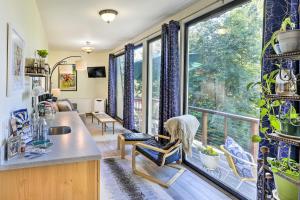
pixel 96 72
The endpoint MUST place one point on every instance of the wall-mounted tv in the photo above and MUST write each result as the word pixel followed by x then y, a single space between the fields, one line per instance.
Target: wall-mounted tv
pixel 96 72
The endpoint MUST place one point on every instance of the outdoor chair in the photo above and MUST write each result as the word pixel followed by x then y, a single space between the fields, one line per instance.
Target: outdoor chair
pixel 241 163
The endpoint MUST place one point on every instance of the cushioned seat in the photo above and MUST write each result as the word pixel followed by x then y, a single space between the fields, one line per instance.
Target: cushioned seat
pixel 136 136
pixel 157 157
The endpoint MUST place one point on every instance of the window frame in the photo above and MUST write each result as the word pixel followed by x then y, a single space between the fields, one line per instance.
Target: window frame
pixel 158 37
pixel 140 45
pixel 115 60
pixel 208 15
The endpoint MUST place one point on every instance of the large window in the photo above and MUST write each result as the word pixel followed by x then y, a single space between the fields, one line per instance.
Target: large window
pixel 154 82
pixel 223 56
pixel 120 64
pixel 138 83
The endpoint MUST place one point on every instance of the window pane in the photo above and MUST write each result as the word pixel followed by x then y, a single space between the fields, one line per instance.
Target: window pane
pixel 138 75
pixel 120 64
pixel 154 66
pixel 223 57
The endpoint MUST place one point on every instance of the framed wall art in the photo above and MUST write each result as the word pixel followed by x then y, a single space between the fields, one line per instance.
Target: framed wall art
pixel 15 62
pixel 67 77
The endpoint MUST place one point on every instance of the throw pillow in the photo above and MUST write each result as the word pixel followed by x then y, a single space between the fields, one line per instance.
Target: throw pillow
pixel 243 169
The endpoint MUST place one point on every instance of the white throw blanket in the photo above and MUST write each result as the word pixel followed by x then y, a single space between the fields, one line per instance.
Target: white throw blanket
pixel 184 128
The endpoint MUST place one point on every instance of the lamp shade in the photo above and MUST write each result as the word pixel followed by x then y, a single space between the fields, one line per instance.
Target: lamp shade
pixel 80 64
pixel 55 92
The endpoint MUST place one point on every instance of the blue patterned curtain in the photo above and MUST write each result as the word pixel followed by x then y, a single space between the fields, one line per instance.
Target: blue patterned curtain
pixel 128 112
pixel 275 12
pixel 169 104
pixel 112 74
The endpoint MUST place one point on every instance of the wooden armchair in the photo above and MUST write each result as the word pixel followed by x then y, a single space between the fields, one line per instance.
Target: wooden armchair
pixel 160 155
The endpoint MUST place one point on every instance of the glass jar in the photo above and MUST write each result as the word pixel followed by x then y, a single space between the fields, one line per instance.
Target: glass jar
pixel 285 83
pixel 43 130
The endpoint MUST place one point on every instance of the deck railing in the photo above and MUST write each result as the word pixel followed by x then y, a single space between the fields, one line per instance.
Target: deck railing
pixel 254 125
pixel 254 122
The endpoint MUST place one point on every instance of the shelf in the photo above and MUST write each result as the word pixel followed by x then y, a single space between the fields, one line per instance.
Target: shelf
pixel 282 97
pixel 275 136
pixel 36 75
pixel 291 55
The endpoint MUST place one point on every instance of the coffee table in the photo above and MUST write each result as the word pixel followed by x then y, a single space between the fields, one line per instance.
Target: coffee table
pixel 104 119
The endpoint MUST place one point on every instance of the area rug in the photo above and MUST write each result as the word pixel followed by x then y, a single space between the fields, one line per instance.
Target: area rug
pixel 119 183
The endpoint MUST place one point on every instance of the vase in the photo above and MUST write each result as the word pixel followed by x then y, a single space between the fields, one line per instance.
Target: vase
pixel 210 162
pixel 286 190
pixel 289 41
pixel 285 84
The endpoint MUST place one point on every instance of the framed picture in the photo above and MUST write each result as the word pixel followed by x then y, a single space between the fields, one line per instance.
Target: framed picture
pixel 22 124
pixel 13 147
pixel 15 62
pixel 67 77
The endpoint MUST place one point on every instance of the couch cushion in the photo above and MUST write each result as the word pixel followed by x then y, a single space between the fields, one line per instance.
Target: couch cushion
pixel 64 106
pixel 243 169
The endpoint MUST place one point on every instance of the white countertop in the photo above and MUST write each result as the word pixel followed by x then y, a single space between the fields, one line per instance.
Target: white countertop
pixel 76 146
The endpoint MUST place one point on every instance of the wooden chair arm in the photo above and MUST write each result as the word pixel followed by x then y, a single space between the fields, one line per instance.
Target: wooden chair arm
pixel 163 136
pixel 151 147
pixel 176 146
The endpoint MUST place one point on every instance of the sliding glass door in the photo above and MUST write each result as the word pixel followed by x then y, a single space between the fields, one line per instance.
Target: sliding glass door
pixel 120 64
pixel 154 60
pixel 138 84
pixel 223 56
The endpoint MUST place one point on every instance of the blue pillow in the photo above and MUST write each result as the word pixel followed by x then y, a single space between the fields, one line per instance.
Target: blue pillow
pixel 243 169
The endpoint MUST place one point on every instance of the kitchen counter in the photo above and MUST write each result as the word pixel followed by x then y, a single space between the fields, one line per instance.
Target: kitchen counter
pixel 76 146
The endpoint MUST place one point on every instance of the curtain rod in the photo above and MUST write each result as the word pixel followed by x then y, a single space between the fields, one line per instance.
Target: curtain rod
pixel 179 20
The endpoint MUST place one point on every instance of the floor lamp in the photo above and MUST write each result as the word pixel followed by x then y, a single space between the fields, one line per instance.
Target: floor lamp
pixel 80 65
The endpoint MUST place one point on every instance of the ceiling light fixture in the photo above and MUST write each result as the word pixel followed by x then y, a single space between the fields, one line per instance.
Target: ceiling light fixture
pixel 88 48
pixel 108 15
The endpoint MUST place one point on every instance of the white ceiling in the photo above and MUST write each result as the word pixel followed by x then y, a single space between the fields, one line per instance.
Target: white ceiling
pixel 70 23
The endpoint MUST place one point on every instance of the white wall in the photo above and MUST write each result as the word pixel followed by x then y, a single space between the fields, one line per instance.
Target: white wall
pixel 24 16
pixel 87 88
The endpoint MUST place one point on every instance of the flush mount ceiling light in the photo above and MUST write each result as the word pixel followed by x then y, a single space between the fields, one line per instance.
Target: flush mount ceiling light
pixel 108 15
pixel 88 48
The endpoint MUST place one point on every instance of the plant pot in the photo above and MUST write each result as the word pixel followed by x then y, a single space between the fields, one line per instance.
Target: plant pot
pixel 289 129
pixel 289 41
pixel 210 162
pixel 286 190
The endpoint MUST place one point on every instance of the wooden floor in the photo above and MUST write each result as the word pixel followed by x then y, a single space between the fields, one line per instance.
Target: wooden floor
pixel 189 186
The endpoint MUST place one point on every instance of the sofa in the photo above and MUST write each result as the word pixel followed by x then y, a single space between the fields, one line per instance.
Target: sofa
pixel 65 105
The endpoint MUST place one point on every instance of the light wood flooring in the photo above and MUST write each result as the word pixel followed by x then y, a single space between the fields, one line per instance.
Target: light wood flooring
pixel 190 186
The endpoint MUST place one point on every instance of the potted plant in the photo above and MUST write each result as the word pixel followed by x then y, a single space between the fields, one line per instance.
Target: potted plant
pixel 290 124
pixel 43 53
pixel 209 157
pixel 288 39
pixel 286 190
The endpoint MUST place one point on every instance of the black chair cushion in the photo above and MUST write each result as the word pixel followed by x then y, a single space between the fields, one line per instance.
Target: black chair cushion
pixel 136 136
pixel 155 156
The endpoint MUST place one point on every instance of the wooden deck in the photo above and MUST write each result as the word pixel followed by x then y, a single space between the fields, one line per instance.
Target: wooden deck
pixel 224 174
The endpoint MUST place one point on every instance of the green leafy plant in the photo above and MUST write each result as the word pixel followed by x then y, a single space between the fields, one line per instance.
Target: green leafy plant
pixel 43 53
pixel 208 151
pixel 286 166
pixel 267 106
pixel 285 23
